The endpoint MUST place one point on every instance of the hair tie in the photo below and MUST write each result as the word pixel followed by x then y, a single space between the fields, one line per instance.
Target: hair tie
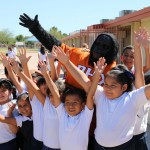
pixel 129 74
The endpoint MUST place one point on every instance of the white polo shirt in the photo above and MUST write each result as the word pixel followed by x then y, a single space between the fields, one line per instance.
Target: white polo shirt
pixel 42 57
pixel 73 131
pixel 5 132
pixel 51 126
pixel 37 113
pixel 11 54
pixel 116 118
pixel 20 119
pixel 141 119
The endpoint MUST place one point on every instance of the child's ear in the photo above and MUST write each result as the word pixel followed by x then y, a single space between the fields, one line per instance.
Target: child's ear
pixel 121 58
pixel 83 105
pixel 124 87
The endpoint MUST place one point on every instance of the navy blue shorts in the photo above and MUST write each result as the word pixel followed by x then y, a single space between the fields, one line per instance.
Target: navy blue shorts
pixel 140 141
pixel 47 148
pixel 126 146
pixel 11 145
pixel 37 145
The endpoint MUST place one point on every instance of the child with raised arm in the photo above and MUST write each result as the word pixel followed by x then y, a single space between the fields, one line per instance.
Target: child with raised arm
pixel 128 54
pixel 45 118
pixel 75 114
pixel 36 99
pixel 24 120
pixel 12 75
pixel 141 40
pixel 116 105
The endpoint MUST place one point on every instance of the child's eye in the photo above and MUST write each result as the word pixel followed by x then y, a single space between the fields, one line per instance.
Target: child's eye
pixel 75 103
pixel 67 103
pixel 126 55
pixel 113 86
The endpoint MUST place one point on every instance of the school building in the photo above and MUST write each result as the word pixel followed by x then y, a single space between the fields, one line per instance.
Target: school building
pixel 123 27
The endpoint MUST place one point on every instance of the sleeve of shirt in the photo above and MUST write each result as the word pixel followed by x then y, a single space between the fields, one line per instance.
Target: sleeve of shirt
pixel 60 110
pixel 98 92
pixel 15 111
pixel 19 120
pixel 89 114
pixel 138 97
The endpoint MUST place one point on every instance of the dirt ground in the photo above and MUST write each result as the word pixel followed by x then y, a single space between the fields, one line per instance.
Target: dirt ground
pixel 32 63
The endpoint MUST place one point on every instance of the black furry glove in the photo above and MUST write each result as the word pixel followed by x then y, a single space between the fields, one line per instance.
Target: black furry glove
pixel 27 22
pixel 37 30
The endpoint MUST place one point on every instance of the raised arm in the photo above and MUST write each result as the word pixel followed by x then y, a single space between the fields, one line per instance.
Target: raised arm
pixel 12 126
pixel 8 120
pixel 29 83
pixel 37 30
pixel 53 88
pixel 12 75
pixel 139 75
pixel 76 73
pixel 146 43
pixel 99 68
pixel 24 59
pixel 51 58
pixel 24 62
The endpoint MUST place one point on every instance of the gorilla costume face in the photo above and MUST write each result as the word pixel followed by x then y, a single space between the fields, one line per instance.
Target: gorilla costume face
pixel 105 45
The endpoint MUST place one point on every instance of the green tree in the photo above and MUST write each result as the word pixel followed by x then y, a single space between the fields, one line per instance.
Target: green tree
pixel 6 37
pixel 20 38
pixel 56 33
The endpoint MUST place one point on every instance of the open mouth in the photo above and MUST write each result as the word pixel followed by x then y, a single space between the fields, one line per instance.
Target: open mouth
pixel 71 110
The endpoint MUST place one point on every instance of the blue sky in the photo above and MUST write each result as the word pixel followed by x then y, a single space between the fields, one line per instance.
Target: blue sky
pixel 66 15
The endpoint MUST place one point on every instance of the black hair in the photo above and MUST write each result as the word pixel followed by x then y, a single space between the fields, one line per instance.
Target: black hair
pixel 130 47
pixel 122 76
pixel 22 96
pixel 42 50
pixel 147 79
pixel 36 76
pixel 7 84
pixel 60 85
pixel 40 81
pixel 75 91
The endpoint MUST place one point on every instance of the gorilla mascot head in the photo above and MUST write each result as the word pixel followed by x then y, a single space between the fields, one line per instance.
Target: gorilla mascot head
pixel 105 45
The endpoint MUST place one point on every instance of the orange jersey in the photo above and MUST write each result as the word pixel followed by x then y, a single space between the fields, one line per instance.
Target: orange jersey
pixel 81 60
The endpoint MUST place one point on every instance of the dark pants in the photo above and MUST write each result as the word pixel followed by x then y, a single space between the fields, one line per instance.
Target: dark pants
pixel 37 145
pixel 126 146
pixel 140 141
pixel 11 145
pixel 91 143
pixel 47 148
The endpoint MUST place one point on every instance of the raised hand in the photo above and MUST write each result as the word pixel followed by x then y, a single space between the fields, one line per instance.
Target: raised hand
pixel 23 56
pixel 43 67
pixel 11 106
pixel 28 22
pixel 142 37
pixel 15 66
pixel 5 60
pixel 146 39
pixel 61 55
pixel 52 55
pixel 100 65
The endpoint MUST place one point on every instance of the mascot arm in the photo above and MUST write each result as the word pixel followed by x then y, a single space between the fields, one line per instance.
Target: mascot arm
pixel 37 30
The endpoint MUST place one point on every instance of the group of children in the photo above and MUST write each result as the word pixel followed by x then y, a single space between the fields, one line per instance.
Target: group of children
pixel 49 116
